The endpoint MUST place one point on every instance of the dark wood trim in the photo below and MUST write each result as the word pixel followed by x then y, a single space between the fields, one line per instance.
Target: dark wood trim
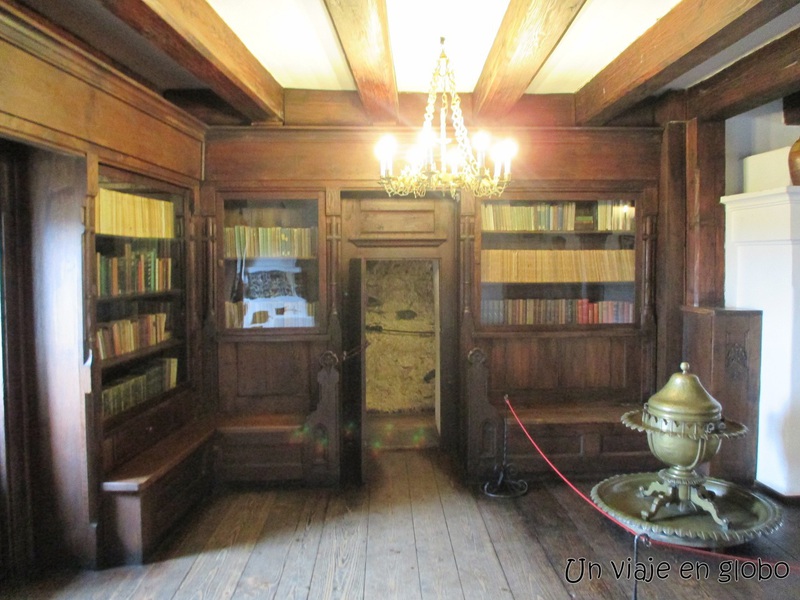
pixel 16 426
pixel 705 216
pixel 93 101
pixel 377 242
pixel 198 38
pixel 791 109
pixel 529 32
pixel 768 74
pixel 670 280
pixel 692 32
pixel 363 30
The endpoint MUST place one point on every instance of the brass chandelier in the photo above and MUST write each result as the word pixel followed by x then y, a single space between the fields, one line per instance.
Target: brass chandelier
pixel 434 163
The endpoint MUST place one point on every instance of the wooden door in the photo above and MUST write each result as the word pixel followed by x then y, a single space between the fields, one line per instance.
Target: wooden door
pixel 354 341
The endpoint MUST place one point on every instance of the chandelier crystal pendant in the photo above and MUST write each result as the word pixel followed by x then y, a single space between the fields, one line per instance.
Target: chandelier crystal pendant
pixel 437 162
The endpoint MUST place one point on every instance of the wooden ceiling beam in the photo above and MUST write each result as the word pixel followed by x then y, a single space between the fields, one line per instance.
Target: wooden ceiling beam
pixel 529 32
pixel 692 32
pixel 195 36
pixel 363 30
pixel 770 73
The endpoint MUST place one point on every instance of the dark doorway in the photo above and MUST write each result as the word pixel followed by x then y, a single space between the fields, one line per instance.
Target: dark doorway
pixel 15 355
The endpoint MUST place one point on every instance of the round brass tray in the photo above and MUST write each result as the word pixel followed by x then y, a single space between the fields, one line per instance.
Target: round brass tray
pixel 749 514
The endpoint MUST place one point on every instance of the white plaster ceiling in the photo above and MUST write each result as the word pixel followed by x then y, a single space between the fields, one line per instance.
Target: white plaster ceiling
pixel 296 41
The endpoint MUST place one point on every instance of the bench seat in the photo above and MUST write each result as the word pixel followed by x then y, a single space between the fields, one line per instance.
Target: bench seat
pixel 148 494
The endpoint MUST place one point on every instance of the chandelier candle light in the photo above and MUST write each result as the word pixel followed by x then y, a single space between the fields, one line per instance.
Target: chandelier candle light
pixel 435 164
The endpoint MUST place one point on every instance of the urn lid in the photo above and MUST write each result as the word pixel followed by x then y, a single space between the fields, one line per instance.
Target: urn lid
pixel 684 399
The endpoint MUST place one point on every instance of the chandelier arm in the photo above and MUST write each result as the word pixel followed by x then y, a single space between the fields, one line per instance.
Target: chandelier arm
pixel 422 173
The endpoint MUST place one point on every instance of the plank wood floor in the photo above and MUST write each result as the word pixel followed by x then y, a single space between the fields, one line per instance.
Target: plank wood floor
pixel 414 532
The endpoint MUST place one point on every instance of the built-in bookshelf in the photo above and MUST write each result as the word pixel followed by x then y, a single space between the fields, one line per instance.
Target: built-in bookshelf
pixel 270 251
pixel 557 263
pixel 139 292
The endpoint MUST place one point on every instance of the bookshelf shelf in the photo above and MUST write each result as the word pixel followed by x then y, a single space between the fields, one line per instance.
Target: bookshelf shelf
pixel 173 292
pixel 270 251
pixel 139 354
pixel 119 420
pixel 557 263
pixel 139 297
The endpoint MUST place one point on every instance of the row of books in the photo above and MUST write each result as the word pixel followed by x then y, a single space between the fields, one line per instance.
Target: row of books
pixel 128 335
pixel 615 215
pixel 604 215
pixel 159 376
pixel 137 271
pixel 242 241
pixel 537 216
pixel 555 311
pixel 557 266
pixel 235 313
pixel 124 214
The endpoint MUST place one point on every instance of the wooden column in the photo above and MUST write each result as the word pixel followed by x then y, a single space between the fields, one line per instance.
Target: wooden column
pixel 671 248
pixel 705 216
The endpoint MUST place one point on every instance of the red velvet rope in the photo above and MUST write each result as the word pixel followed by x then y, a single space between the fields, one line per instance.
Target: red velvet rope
pixel 794 568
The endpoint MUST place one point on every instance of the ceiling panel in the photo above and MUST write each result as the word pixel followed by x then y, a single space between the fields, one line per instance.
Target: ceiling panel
pixel 293 39
pixel 415 27
pixel 602 30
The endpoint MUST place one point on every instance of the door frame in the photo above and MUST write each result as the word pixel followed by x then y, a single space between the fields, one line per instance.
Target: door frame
pixel 437 244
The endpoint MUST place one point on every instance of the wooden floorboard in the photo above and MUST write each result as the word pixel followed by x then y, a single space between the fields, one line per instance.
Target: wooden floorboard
pixel 415 531
pixel 392 572
pixel 438 572
pixel 342 555
pixel 479 569
pixel 282 563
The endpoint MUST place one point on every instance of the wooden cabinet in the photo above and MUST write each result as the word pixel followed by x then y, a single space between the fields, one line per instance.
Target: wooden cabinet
pixel 143 398
pixel 563 327
pixel 558 263
pixel 278 382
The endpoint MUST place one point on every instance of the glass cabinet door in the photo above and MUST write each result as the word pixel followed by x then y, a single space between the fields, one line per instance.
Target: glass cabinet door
pixel 271 266
pixel 557 263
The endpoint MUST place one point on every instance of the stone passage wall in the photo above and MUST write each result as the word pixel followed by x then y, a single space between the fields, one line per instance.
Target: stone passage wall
pixel 401 356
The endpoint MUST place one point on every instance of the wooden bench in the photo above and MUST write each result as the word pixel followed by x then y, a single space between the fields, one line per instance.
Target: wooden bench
pixel 579 439
pixel 145 496
pixel 277 447
pixel 265 447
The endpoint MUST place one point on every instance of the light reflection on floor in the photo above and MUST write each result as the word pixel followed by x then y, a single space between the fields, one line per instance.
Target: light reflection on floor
pixel 401 431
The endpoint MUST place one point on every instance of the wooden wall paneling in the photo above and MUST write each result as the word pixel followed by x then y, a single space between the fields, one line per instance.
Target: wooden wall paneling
pixel 586 362
pixel 66 510
pixel 268 378
pixel 328 108
pixel 519 366
pixel 670 272
pixel 723 348
pixel 227 369
pixel 705 215
pixel 548 154
pixel 96 107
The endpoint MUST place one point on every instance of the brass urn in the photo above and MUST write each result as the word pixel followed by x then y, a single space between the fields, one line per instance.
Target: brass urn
pixel 685 428
pixel 678 504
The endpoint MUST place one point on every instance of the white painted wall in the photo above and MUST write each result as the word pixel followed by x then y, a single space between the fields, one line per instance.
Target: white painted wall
pixel 762 271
